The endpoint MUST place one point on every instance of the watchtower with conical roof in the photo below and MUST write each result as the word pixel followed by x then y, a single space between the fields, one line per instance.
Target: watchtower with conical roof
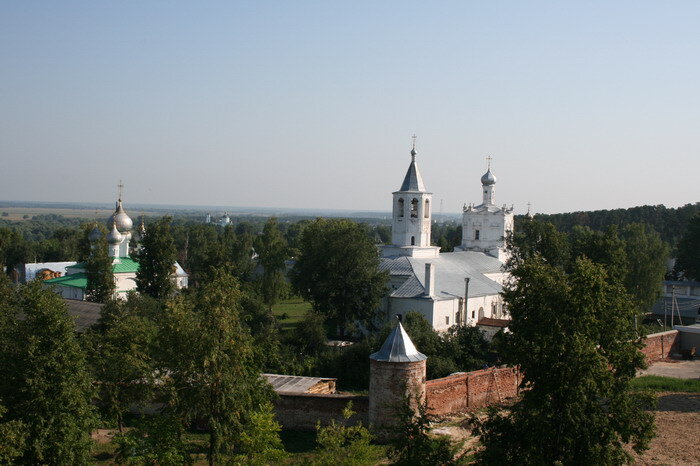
pixel 397 373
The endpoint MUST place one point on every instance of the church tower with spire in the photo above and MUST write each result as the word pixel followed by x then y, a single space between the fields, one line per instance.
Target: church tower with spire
pixel 411 216
pixel 486 226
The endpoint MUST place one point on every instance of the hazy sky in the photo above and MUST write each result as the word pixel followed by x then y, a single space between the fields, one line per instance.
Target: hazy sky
pixel 583 105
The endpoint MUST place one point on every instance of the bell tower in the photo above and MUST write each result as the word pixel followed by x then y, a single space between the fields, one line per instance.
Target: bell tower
pixel 411 216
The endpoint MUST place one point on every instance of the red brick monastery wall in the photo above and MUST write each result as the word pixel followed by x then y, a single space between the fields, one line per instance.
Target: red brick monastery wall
pixel 659 346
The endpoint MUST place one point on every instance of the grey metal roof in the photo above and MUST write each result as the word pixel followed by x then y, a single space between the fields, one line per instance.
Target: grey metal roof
pixel 398 265
pixel 450 271
pixel 293 383
pixel 85 313
pixel 413 181
pixel 398 347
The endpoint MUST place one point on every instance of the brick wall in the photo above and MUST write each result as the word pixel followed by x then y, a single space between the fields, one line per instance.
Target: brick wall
pixel 471 390
pixel 658 346
pixel 301 411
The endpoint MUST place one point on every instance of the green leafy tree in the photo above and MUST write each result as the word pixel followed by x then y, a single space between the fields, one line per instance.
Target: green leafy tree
pixel 573 338
pixel 260 442
pixel 337 271
pixel 647 255
pixel 272 254
pixel 533 238
pixel 100 278
pixel 688 257
pixel 156 261
pixel 155 440
pixel 345 445
pixel 45 383
pixel 215 376
pixel 412 444
pixel 13 437
pixel 120 349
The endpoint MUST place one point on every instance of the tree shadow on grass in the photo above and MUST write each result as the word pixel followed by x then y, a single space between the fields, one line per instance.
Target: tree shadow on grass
pixel 679 402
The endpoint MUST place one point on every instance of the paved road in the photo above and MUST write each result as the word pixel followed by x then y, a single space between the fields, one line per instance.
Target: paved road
pixel 679 370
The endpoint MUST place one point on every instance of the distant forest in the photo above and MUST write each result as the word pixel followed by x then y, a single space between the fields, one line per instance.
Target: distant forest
pixel 668 222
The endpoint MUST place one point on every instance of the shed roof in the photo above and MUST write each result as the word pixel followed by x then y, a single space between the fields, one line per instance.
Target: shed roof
pixel 75 280
pixel 293 383
pixel 85 313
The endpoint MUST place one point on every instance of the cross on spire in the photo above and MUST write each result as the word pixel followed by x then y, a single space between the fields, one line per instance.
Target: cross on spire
pixel 413 150
pixel 489 158
pixel 120 186
pixel 528 208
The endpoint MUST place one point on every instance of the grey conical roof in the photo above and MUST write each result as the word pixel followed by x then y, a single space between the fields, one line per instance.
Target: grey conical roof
pixel 398 347
pixel 413 181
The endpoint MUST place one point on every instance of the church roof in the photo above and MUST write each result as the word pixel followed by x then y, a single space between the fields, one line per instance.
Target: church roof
pixel 398 347
pixel 75 280
pixel 450 271
pixel 413 181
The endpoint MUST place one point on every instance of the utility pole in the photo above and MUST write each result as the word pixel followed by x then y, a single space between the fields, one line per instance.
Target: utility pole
pixel 673 302
pixel 466 298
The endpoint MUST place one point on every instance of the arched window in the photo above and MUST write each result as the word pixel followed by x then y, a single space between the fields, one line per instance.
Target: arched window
pixel 426 210
pixel 413 240
pixel 481 313
pixel 414 208
pixel 400 207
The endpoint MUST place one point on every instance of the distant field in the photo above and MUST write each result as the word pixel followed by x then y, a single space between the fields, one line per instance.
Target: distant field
pixel 295 308
pixel 18 213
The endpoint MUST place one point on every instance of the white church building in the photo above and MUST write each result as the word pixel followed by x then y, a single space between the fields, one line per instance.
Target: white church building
pixel 73 284
pixel 454 288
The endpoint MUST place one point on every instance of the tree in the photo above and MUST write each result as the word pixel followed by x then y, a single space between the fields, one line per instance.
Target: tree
pixel 272 254
pixel 412 443
pixel 100 278
pixel 215 376
pixel 120 350
pixel 45 383
pixel 260 442
pixel 12 439
pixel 156 261
pixel 343 445
pixel 337 271
pixel 573 338
pixel 646 264
pixel 688 257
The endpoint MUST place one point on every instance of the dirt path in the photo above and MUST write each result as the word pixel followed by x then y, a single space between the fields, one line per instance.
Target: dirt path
pixel 677 431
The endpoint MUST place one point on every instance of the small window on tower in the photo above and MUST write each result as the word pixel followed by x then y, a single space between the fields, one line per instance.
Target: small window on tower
pixel 476 234
pixel 447 320
pixel 414 208
pixel 413 240
pixel 400 208
pixel 426 213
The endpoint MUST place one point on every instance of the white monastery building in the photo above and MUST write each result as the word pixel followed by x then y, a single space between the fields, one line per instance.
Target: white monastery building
pixel 454 288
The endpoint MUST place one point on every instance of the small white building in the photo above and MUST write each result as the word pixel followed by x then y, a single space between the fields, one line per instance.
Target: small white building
pixel 456 288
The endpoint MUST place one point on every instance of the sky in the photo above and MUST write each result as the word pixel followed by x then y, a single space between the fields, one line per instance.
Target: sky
pixel 312 104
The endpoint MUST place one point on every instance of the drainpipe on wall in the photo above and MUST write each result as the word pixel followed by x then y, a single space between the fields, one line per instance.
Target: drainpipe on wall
pixel 466 299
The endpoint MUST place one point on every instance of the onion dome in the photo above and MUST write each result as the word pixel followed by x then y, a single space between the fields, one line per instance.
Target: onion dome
pixel 114 237
pixel 488 179
pixel 95 235
pixel 120 219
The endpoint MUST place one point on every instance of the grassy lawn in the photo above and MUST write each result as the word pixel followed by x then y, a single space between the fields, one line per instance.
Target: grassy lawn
pixel 295 309
pixel 658 383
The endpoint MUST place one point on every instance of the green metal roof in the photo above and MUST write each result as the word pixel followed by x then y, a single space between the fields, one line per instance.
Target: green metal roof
pixel 76 280
pixel 126 265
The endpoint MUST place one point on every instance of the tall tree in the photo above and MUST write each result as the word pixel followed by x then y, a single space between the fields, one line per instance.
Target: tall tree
pixel 100 278
pixel 272 254
pixel 573 337
pixel 688 257
pixel 647 255
pixel 337 271
pixel 120 349
pixel 215 374
pixel 44 383
pixel 156 261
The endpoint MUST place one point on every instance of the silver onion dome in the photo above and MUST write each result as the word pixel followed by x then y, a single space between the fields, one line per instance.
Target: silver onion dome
pixel 114 237
pixel 488 179
pixel 120 219
pixel 95 235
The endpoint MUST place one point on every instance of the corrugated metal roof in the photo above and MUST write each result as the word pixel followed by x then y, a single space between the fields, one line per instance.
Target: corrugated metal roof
pixel 75 280
pixel 293 383
pixel 129 265
pixel 31 269
pixel 398 347
pixel 85 313
pixel 450 271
